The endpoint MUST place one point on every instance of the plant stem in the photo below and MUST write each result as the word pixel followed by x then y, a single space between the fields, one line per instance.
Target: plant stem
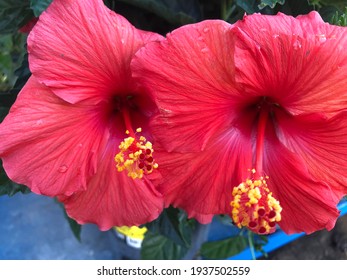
pixel 251 244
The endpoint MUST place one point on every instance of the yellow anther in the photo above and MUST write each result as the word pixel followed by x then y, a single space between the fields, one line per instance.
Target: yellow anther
pixel 254 206
pixel 257 183
pixel 139 129
pixel 135 156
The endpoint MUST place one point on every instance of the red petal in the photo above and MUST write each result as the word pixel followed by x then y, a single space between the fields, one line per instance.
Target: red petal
pixel 48 144
pixel 81 49
pixel 191 74
pixel 29 26
pixel 114 199
pixel 201 183
pixel 299 63
pixel 308 205
pixel 321 143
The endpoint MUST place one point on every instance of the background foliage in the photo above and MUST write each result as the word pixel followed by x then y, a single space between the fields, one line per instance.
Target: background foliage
pixel 170 236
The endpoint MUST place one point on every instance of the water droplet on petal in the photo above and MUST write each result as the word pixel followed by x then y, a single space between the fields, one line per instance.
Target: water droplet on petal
pixel 122 41
pixel 200 38
pixel 206 29
pixel 297 45
pixel 39 122
pixel 263 29
pixel 321 38
pixel 275 36
pixel 204 50
pixel 63 168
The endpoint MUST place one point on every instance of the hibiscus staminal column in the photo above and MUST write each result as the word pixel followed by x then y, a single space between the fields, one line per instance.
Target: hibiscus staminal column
pixel 253 205
pixel 136 153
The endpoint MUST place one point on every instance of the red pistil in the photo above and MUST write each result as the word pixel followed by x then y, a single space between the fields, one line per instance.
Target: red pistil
pixel 263 118
pixel 127 122
pixel 253 204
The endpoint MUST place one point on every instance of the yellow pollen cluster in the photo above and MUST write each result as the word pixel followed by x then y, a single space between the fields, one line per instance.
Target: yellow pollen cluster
pixel 135 156
pixel 254 206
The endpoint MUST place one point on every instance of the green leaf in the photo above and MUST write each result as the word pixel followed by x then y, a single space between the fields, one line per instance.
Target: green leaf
pixel 338 19
pixel 11 54
pixel 339 4
pixel 23 73
pixel 7 187
pixel 328 12
pixel 158 247
pixel 270 3
pixel 259 242
pixel 177 12
pixel 75 227
pixel 174 225
pixel 38 6
pixel 14 14
pixel 225 248
pixel 186 228
pixel 249 6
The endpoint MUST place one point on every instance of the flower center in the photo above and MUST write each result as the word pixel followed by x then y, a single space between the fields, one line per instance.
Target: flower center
pixel 253 204
pixel 136 153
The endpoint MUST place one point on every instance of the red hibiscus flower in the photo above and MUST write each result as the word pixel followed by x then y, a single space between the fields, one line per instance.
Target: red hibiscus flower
pixel 254 117
pixel 64 136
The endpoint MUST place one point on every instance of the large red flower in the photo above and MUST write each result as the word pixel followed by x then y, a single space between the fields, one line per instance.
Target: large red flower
pixel 254 115
pixel 64 134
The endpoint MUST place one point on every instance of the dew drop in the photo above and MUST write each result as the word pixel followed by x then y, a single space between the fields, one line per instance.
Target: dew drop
pixel 200 38
pixel 63 168
pixel 297 45
pixel 275 36
pixel 206 29
pixel 39 122
pixel 204 50
pixel 122 41
pixel 321 38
